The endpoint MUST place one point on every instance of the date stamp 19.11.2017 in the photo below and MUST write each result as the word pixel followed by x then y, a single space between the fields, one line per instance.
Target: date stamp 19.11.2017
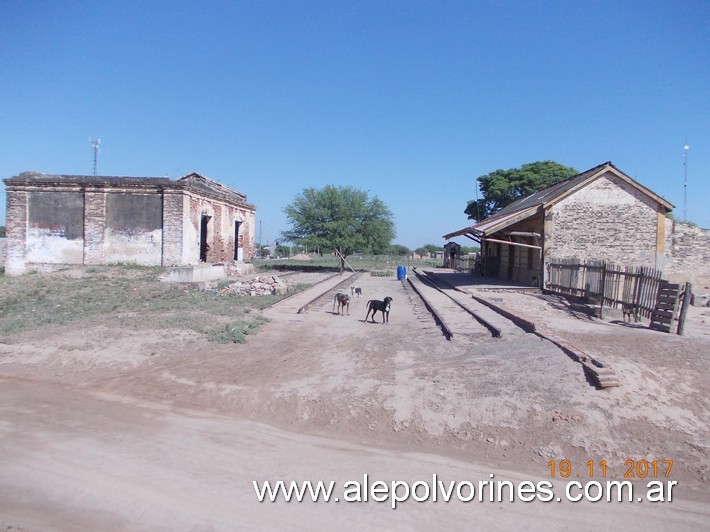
pixel 632 469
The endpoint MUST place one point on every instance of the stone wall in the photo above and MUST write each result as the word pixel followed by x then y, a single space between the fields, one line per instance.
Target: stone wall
pixel 609 220
pixel 687 251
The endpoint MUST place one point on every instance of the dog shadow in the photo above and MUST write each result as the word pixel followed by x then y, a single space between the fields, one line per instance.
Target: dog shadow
pixel 629 325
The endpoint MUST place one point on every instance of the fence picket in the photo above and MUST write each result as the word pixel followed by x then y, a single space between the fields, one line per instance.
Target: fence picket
pixel 607 284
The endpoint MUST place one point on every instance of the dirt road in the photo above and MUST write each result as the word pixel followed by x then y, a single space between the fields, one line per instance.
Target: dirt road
pixel 106 427
pixel 82 461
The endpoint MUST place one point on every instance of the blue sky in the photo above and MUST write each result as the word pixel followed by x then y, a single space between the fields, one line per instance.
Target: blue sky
pixel 410 101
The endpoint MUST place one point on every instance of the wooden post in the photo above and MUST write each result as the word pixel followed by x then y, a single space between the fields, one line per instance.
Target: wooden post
pixel 684 308
pixel 637 293
pixel 343 261
pixel 601 306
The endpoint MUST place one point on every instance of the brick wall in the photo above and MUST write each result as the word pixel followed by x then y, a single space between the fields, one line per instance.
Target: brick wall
pixel 80 219
pixel 687 253
pixel 94 227
pixel 173 224
pixel 220 230
pixel 134 228
pixel 608 220
pixel 55 227
pixel 16 232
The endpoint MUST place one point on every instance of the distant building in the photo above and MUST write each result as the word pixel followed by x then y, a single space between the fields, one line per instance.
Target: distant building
pixel 452 252
pixel 68 219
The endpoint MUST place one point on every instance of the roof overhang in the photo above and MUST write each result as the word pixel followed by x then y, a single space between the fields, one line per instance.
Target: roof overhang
pixel 495 224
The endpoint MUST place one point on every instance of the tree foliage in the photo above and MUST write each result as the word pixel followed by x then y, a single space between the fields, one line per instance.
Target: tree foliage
pixel 465 250
pixel 503 187
pixel 340 218
pixel 428 248
pixel 399 249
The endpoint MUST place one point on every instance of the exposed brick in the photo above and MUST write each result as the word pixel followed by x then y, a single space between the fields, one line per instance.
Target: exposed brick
pixel 16 232
pixel 94 226
pixel 172 228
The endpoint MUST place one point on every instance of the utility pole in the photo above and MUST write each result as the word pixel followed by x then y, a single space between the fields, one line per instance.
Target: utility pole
pixel 685 180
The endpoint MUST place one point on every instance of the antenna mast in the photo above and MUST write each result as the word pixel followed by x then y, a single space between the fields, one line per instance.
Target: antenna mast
pixel 95 145
pixel 685 180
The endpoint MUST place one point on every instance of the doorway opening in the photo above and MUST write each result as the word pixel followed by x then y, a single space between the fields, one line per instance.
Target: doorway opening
pixel 238 253
pixel 204 246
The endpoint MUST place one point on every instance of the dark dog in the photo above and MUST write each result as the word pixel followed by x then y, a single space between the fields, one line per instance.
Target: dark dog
pixel 355 291
pixel 343 302
pixel 628 309
pixel 375 305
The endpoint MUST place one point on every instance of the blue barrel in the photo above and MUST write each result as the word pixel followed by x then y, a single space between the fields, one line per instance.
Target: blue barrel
pixel 401 273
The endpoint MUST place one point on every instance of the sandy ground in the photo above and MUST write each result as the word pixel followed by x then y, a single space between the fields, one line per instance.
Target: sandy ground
pixel 105 428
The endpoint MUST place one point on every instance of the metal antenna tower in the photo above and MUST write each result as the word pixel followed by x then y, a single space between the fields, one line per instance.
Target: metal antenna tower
pixel 95 146
pixel 685 180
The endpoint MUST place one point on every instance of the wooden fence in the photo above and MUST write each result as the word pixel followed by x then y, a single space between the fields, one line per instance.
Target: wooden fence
pixel 607 284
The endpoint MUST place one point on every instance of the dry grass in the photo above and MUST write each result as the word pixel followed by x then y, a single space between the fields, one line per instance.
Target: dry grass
pixel 129 295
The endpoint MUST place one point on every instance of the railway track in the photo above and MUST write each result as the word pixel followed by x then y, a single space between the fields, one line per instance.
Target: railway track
pixel 316 295
pixel 330 292
pixel 457 313
pixel 440 306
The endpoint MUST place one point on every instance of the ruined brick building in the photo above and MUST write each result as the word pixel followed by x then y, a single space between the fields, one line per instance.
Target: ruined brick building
pixel 602 214
pixel 68 219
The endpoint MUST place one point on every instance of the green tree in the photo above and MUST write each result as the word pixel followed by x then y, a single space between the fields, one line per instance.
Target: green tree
pixel 428 248
pixel 2 231
pixel 344 219
pixel 503 187
pixel 282 251
pixel 264 252
pixel 465 250
pixel 399 249
pixel 433 248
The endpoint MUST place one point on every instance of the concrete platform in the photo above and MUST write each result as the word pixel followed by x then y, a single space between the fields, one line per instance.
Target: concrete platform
pixel 473 281
pixel 194 274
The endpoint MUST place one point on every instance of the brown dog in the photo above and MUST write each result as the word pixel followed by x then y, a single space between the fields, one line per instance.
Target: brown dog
pixel 375 305
pixel 343 303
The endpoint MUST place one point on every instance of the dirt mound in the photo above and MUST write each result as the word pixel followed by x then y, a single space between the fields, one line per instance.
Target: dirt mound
pixel 301 256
